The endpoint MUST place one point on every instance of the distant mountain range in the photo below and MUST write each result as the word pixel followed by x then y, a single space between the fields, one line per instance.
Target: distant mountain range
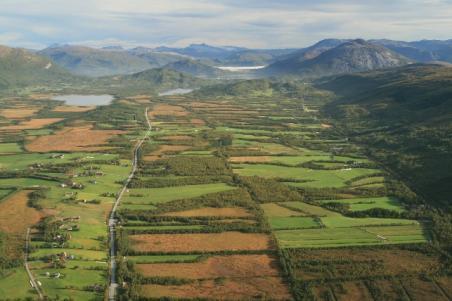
pixel 20 68
pixel 107 61
pixel 334 57
pixel 325 58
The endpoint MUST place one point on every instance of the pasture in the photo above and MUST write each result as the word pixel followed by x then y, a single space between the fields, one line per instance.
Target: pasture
pixel 166 194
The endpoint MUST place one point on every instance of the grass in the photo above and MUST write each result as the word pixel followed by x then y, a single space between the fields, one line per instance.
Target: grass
pixel 278 223
pixel 166 194
pixel 340 237
pixel 312 238
pixel 340 230
pixel 314 178
pixel 345 222
pixel 14 279
pixel 10 148
pixel 296 160
pixel 22 161
pixel 360 204
pixel 4 193
pixel 165 228
pixel 163 258
pixel 331 219
pixel 25 182
pixel 275 210
pixel 75 278
pixel 310 209
pixel 78 253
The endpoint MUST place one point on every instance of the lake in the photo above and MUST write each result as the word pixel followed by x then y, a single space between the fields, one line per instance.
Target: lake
pixel 240 68
pixel 85 100
pixel 176 92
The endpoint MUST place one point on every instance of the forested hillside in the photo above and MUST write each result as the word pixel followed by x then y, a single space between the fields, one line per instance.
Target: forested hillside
pixel 404 115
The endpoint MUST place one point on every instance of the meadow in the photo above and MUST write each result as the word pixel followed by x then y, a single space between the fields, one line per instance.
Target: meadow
pixel 233 198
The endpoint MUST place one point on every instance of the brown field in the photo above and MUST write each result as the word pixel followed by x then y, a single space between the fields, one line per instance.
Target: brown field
pixel 446 284
pixel 198 104
pixel 18 113
pixel 274 210
pixel 16 216
pixel 140 98
pixel 40 96
pixel 421 290
pixel 253 159
pixel 168 110
pixel 380 262
pixel 391 290
pixel 352 291
pixel 164 148
pixel 321 291
pixel 73 109
pixel 214 267
pixel 176 137
pixel 82 138
pixel 200 242
pixel 236 220
pixel 197 122
pixel 209 211
pixel 142 101
pixel 31 124
pixel 252 288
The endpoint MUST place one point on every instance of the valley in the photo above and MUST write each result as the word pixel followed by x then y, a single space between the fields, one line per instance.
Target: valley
pixel 254 195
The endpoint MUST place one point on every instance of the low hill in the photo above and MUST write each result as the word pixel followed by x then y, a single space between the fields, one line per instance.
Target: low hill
pixel 314 50
pixel 92 62
pixel 229 56
pixel 196 68
pixel 155 58
pixel 349 57
pixel 263 88
pixel 20 68
pixel 404 117
pixel 150 81
pixel 421 51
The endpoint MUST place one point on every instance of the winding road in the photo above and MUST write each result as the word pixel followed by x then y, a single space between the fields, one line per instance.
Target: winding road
pixel 33 281
pixel 113 221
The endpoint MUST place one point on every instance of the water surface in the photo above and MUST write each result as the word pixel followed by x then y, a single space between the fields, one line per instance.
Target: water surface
pixel 240 68
pixel 176 92
pixel 85 100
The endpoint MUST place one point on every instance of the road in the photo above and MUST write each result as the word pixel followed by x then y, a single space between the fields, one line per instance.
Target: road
pixel 33 281
pixel 113 221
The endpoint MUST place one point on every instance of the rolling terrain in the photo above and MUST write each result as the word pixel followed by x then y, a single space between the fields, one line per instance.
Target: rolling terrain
pixel 93 62
pixel 264 189
pixel 348 57
pixel 22 68
pixel 404 117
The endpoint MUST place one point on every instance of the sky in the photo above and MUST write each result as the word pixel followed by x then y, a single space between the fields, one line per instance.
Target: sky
pixel 248 23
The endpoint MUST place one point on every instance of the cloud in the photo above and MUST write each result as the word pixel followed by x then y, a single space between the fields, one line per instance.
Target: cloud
pixel 251 23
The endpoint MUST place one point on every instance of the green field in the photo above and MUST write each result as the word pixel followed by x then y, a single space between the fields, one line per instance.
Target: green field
pixel 4 193
pixel 340 237
pixel 278 223
pixel 21 161
pixel 313 178
pixel 341 230
pixel 78 253
pixel 163 258
pixel 13 279
pixel 165 228
pixel 360 204
pixel 77 279
pixel 10 148
pixel 166 194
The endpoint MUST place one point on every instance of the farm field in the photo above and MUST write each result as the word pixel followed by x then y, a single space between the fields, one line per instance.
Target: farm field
pixel 232 199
